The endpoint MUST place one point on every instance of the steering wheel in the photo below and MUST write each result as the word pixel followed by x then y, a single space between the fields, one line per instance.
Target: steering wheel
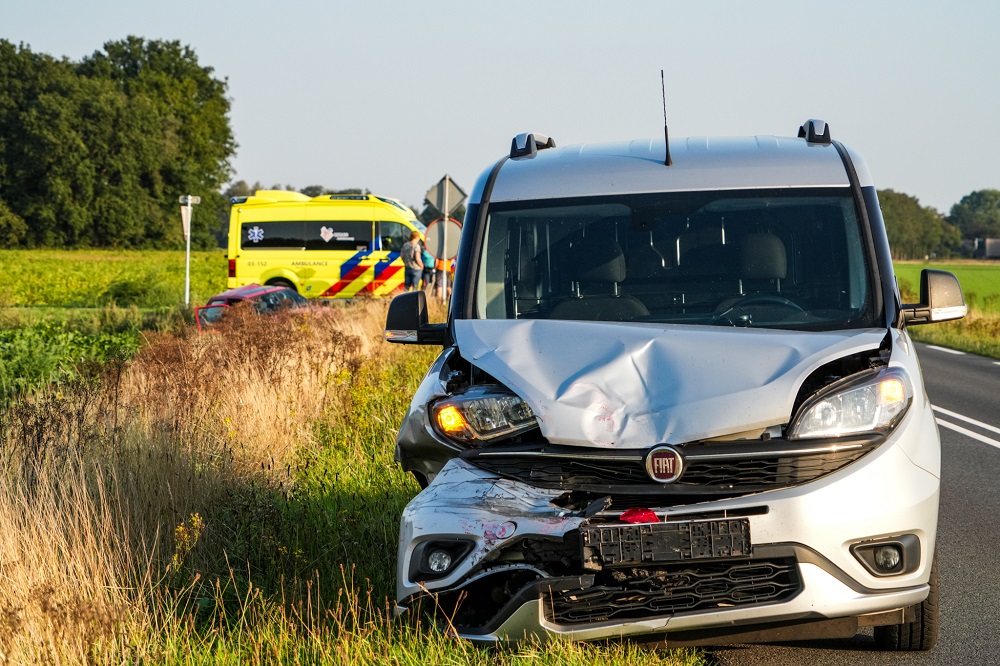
pixel 745 319
pixel 766 299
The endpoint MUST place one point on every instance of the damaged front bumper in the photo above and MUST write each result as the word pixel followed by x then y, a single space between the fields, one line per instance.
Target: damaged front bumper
pixel 516 562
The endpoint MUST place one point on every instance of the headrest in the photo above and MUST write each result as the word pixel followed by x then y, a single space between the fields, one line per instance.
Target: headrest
pixel 762 256
pixel 596 259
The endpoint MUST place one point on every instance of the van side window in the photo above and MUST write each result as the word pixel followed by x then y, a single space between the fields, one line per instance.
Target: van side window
pixel 271 235
pixel 347 236
pixel 393 235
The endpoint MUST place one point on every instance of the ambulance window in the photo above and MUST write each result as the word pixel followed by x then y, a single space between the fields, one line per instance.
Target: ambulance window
pixel 338 235
pixel 272 235
pixel 393 235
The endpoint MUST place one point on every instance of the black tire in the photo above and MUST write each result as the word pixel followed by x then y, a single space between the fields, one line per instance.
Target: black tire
pixel 281 282
pixel 922 633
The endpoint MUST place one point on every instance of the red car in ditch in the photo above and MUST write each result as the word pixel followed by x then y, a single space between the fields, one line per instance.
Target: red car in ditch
pixel 264 299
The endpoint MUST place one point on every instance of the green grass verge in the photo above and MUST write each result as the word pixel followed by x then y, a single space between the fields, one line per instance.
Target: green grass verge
pixel 42 346
pixel 976 335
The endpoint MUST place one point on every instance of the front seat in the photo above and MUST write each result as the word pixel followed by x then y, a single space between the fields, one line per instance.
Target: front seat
pixel 596 266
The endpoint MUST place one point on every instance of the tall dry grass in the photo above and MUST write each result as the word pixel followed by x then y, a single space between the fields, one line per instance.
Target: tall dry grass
pixel 69 578
pixel 113 487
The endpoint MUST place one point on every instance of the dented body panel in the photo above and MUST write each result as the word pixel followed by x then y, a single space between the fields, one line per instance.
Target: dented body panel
pixel 631 385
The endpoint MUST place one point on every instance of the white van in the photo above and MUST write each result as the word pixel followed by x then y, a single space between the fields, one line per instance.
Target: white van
pixel 676 401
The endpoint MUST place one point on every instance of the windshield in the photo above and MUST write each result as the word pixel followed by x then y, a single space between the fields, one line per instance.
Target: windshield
pixel 276 300
pixel 210 314
pixel 788 258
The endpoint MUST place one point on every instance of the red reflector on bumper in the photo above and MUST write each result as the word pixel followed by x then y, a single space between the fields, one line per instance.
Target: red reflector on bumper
pixel 638 516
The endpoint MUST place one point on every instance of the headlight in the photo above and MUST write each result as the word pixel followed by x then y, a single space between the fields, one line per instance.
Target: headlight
pixel 482 413
pixel 873 401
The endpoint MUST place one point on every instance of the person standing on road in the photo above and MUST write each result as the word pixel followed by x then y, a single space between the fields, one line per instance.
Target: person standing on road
pixel 412 262
pixel 428 260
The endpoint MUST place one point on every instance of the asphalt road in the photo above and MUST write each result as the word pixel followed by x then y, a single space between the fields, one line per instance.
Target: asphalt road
pixel 965 392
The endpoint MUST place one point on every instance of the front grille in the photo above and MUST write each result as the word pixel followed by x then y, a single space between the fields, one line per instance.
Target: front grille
pixel 645 593
pixel 574 473
pixel 717 469
pixel 768 472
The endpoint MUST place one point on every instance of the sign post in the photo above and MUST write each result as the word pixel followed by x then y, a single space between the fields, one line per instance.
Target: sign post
pixel 445 197
pixel 187 201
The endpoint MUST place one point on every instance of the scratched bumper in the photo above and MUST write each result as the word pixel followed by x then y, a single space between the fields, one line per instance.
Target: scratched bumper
pixel 515 555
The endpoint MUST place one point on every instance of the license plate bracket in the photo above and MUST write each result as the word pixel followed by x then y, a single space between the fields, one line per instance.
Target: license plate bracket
pixel 655 543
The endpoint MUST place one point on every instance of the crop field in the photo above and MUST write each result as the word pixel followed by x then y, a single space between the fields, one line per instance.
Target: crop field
pixel 93 278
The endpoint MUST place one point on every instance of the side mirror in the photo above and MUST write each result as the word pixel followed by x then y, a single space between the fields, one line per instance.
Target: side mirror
pixel 406 321
pixel 940 299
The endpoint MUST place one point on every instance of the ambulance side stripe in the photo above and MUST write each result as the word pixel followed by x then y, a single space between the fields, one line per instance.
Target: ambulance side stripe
pixel 350 271
pixel 382 278
pixel 384 270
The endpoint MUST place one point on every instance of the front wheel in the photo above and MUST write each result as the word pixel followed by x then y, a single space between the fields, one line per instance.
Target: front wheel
pixel 922 633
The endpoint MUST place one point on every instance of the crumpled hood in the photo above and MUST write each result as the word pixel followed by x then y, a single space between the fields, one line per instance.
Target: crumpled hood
pixel 634 385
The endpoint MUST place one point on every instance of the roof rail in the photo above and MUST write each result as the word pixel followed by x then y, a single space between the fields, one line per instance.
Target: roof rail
pixel 349 197
pixel 529 143
pixel 815 131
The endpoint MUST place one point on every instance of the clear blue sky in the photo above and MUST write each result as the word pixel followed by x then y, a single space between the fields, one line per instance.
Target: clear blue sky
pixel 393 95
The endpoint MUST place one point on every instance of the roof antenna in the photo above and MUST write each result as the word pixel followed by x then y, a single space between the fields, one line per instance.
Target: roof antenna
pixel 666 136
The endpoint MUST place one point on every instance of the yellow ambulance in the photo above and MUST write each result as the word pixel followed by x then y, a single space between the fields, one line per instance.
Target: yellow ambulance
pixel 330 246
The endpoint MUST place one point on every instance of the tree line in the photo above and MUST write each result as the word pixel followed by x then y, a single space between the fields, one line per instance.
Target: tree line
pixel 95 154
pixel 916 231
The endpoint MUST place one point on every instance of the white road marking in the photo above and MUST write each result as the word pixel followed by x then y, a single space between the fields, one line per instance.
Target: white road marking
pixel 946 350
pixel 960 417
pixel 968 433
pixel 996 362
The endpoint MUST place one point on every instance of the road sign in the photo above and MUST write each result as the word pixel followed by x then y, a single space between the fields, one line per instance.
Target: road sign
pixel 186 220
pixel 445 195
pixel 442 239
pixel 187 200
